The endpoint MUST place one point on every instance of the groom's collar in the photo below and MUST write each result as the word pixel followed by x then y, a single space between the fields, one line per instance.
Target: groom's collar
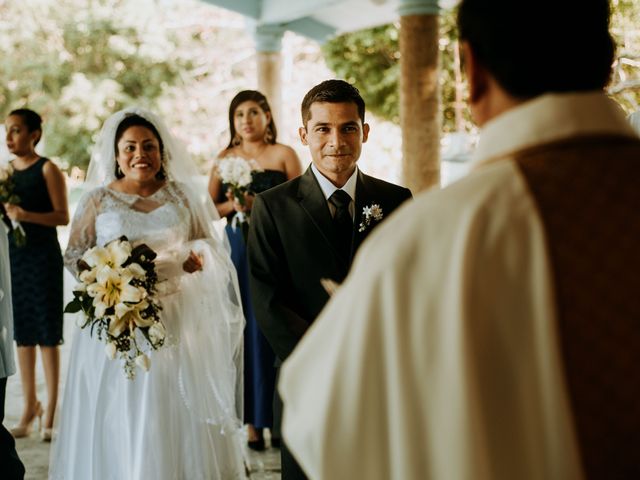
pixel 328 188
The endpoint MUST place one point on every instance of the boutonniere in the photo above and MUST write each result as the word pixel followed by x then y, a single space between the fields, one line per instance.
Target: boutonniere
pixel 371 213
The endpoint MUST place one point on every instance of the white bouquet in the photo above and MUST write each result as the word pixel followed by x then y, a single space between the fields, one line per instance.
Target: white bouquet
pixel 236 172
pixel 116 288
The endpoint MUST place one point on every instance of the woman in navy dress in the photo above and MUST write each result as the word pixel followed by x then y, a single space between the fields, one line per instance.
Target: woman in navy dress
pixel 36 267
pixel 253 137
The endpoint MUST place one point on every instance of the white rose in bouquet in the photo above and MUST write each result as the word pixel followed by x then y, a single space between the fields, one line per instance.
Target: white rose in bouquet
pixel 235 171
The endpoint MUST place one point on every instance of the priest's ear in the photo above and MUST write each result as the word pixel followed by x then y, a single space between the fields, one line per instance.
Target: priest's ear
pixel 477 75
pixel 484 91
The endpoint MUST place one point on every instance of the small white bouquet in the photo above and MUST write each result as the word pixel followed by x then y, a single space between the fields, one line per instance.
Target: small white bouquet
pixel 8 196
pixel 116 288
pixel 237 174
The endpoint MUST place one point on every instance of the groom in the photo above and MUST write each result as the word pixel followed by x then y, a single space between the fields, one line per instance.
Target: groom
pixel 309 228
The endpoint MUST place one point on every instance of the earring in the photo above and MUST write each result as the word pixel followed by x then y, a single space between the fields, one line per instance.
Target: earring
pixel 119 173
pixel 268 135
pixel 236 140
pixel 161 175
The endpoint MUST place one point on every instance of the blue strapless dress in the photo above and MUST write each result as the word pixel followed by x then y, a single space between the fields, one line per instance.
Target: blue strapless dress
pixel 259 370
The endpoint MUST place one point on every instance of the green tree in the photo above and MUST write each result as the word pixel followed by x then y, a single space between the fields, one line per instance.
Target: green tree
pixel 369 59
pixel 77 62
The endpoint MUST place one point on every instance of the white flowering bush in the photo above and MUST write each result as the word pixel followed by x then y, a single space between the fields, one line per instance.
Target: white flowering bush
pixel 115 293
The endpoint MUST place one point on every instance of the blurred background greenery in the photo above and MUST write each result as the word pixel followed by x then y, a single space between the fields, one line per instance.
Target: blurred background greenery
pixel 370 58
pixel 78 61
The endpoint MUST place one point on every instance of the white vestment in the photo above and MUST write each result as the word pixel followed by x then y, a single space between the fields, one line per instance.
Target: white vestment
pixel 438 358
pixel 7 360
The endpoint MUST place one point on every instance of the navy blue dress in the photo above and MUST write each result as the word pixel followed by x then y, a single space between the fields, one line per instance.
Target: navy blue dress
pixel 259 370
pixel 36 268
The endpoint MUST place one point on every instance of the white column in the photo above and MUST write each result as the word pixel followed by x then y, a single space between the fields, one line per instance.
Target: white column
pixel 268 40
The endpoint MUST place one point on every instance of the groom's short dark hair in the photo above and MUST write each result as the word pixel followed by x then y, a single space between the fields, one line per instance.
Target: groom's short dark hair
pixel 332 91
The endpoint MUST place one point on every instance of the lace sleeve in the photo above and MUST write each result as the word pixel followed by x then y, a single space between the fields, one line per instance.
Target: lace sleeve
pixel 83 230
pixel 186 199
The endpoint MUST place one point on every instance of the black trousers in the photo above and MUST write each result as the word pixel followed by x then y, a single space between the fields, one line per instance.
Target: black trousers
pixel 290 468
pixel 12 467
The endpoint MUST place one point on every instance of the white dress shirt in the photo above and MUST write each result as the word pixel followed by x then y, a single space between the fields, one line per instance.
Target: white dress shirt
pixel 328 188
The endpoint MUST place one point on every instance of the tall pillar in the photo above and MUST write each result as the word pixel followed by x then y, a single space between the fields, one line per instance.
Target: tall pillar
pixel 268 40
pixel 419 93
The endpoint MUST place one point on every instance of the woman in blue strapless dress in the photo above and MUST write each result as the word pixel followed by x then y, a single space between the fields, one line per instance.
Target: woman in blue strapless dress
pixel 253 137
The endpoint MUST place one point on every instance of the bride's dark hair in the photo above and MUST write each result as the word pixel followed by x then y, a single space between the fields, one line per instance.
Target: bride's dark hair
pixel 138 121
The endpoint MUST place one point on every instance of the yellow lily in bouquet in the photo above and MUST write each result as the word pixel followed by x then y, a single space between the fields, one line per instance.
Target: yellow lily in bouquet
pixel 116 295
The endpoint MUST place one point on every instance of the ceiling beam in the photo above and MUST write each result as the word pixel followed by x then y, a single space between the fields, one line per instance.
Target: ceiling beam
pixel 248 8
pixel 280 11
pixel 313 29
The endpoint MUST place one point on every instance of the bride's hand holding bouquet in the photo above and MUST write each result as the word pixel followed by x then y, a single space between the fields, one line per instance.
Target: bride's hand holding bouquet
pixel 193 263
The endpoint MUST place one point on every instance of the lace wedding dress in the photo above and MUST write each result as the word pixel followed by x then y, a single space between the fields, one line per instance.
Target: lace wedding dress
pixel 179 420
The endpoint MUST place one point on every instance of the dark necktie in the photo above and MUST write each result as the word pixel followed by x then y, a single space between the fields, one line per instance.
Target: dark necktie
pixel 342 221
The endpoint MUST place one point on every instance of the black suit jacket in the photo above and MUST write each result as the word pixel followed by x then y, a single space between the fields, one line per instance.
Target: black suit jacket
pixel 292 244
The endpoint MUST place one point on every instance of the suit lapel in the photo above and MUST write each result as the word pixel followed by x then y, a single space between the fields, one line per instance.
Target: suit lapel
pixel 315 205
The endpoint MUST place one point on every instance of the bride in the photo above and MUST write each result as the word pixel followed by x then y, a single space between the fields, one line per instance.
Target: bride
pixel 180 419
